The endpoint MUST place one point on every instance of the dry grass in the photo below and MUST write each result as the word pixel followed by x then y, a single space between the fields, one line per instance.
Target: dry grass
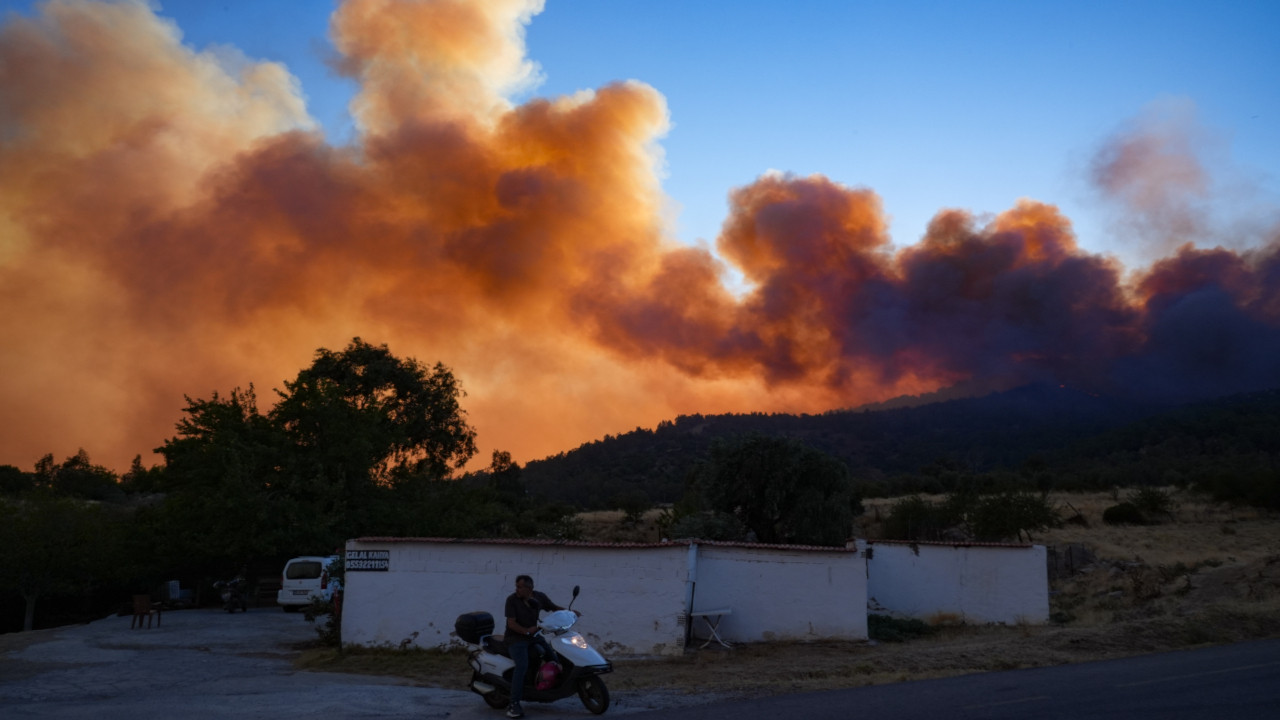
pixel 14 642
pixel 611 526
pixel 426 667
pixel 1211 574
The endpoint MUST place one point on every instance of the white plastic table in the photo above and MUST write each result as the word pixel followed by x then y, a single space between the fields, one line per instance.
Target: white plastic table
pixel 712 620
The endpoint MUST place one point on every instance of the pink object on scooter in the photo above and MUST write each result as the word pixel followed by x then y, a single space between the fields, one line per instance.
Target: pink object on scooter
pixel 548 675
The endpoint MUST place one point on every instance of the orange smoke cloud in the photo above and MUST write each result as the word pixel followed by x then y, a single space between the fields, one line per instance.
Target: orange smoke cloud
pixel 171 223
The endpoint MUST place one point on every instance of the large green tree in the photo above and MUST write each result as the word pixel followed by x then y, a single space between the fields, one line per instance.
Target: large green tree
pixel 220 482
pixel 362 421
pixel 367 412
pixel 53 546
pixel 781 490
pixel 351 442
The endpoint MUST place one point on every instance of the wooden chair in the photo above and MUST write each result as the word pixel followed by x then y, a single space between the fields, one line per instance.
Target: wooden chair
pixel 143 607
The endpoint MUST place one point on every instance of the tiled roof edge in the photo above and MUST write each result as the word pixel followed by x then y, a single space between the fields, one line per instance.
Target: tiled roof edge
pixel 682 542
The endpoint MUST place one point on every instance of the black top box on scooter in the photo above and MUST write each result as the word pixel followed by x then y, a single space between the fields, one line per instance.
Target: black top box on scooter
pixel 473 625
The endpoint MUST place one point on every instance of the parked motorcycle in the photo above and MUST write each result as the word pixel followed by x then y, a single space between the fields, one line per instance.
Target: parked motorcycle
pixel 574 667
pixel 232 594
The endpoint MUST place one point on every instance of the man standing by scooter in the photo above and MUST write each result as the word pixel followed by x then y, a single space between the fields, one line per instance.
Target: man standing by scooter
pixel 522 623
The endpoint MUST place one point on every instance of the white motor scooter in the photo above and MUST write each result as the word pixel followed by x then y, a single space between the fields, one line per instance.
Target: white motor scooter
pixel 580 666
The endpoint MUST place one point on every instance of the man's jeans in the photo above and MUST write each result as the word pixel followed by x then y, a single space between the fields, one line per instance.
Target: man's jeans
pixel 519 652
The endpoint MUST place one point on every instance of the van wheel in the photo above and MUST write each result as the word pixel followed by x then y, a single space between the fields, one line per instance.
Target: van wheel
pixel 291 608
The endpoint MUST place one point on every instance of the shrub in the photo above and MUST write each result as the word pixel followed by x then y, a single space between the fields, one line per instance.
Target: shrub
pixel 989 518
pixel 1153 501
pixel 1126 513
pixel 330 631
pixel 708 526
pixel 1009 515
pixel 634 503
pixel 914 518
pixel 890 629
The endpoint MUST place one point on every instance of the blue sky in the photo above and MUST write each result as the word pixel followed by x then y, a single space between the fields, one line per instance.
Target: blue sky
pixel 963 104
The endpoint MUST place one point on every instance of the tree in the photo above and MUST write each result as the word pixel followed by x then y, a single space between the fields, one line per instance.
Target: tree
pixel 15 482
pixel 404 417
pixel 634 503
pixel 52 545
pixel 915 518
pixel 1010 515
pixel 77 477
pixel 781 490
pixel 220 477
pixel 967 514
pixel 505 480
pixel 353 446
pixel 360 421
pixel 139 478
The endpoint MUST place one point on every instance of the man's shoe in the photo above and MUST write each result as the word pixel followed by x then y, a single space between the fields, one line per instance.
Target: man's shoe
pixel 514 711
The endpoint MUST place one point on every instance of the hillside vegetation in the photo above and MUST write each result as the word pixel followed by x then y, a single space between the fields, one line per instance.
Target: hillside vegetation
pixel 353 449
pixel 1037 437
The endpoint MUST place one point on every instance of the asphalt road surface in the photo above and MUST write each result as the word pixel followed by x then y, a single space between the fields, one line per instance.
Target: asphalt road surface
pixel 208 664
pixel 1230 682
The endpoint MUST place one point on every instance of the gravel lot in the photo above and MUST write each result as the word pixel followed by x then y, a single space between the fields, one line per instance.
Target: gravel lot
pixel 208 664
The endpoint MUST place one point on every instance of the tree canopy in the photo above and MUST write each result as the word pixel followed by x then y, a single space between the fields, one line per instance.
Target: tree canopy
pixel 365 412
pixel 52 545
pixel 221 479
pixel 781 490
pixel 324 464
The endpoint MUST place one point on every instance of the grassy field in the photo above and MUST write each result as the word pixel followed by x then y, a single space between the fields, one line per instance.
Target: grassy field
pixel 1207 574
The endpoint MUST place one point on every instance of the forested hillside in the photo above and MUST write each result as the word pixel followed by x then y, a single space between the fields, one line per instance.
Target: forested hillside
pixel 1036 436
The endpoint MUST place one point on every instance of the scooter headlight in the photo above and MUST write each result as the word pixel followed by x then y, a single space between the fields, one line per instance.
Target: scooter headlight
pixel 577 641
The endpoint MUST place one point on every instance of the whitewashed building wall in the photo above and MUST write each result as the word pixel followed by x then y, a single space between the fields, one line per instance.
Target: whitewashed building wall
pixel 635 598
pixel 781 594
pixel 977 583
pixel 632 601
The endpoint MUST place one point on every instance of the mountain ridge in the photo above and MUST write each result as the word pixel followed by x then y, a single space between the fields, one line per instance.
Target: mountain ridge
pixel 997 430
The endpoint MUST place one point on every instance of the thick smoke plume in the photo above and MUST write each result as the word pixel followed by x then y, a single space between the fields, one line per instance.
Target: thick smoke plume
pixel 171 223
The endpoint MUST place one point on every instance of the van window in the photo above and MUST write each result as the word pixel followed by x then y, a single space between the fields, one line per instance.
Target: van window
pixel 307 570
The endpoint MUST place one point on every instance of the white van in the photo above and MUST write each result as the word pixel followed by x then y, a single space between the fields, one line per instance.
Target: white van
pixel 304 578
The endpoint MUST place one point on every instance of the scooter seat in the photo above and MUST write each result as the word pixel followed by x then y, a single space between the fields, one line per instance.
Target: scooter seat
pixel 494 644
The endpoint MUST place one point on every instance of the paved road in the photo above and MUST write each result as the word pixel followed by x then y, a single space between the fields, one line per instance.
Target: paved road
pixel 208 664
pixel 1232 682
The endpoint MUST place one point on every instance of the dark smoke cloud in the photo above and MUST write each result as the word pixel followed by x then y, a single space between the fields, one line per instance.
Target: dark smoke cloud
pixel 172 225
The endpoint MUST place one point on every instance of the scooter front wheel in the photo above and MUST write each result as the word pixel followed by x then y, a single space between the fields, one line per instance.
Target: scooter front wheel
pixel 594 695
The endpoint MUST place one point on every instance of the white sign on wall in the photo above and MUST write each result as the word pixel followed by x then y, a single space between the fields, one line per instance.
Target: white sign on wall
pixel 368 560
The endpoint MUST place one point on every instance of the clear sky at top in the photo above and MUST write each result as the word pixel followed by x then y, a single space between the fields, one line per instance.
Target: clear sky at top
pixel 961 104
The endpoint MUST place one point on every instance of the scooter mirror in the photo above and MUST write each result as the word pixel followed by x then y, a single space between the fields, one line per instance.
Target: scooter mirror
pixel 575 590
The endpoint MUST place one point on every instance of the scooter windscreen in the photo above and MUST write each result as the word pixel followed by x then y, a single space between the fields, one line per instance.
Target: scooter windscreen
pixel 559 621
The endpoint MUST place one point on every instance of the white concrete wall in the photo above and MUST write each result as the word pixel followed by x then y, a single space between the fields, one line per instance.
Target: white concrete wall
pixel 632 601
pixel 977 583
pixel 779 594
pixel 634 598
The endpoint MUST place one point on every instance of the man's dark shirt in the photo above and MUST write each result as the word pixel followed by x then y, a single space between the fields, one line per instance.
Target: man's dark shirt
pixel 526 612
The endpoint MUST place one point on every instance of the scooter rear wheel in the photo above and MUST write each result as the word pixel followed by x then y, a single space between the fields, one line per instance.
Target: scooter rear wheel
pixel 497 699
pixel 594 695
